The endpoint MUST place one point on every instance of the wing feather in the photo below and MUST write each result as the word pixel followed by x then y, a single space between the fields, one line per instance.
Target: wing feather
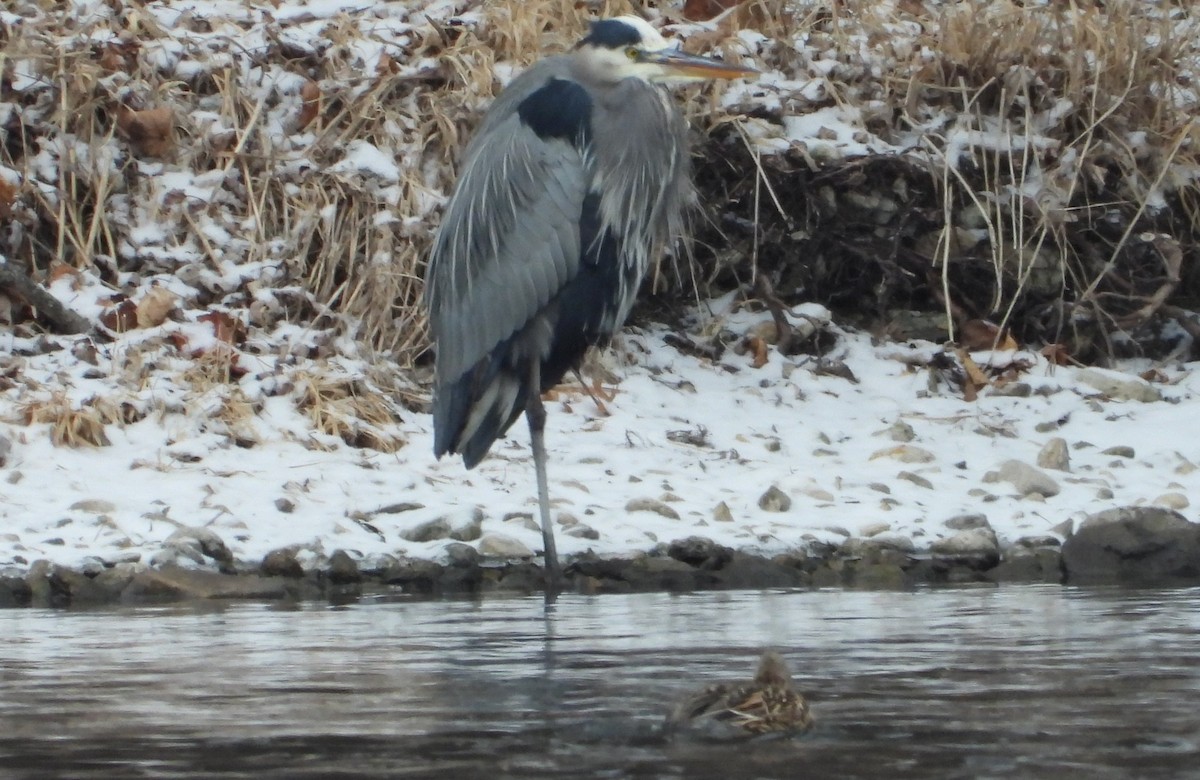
pixel 509 240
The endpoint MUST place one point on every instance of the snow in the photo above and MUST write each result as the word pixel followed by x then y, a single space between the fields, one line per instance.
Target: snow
pixel 690 433
pixel 821 438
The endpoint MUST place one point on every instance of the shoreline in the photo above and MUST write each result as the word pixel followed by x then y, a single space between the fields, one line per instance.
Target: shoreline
pixel 1162 550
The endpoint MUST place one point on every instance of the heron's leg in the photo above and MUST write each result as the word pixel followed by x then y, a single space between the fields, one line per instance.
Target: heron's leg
pixel 535 413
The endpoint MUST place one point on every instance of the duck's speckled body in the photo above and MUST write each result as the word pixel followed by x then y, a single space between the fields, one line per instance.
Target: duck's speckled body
pixel 767 705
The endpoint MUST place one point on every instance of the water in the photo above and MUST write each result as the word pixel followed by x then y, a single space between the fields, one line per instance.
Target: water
pixel 1009 682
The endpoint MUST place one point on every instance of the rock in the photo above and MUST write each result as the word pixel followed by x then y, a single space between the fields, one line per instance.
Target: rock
pixel 1041 565
pixel 376 565
pixel 967 522
pixel 1119 452
pixel 1011 390
pixel 900 431
pixel 651 505
pixel 342 569
pixel 1064 529
pixel 461 555
pixel 493 545
pixel 173 583
pixel 1034 542
pixel 1055 455
pixel 188 541
pixel 429 531
pixel 976 545
pixel 522 520
pixel 1118 386
pixel 905 453
pixel 721 513
pixel 882 548
pixel 878 576
pixel 818 494
pixel 582 531
pixel 415 575
pixel 700 552
pixel 880 487
pixel 774 500
pixel 5 451
pixel 15 592
pixel 285 505
pixel 916 479
pixel 467 527
pixel 874 529
pixel 281 563
pixel 1026 479
pixel 1176 501
pixel 1142 545
pixel 94 506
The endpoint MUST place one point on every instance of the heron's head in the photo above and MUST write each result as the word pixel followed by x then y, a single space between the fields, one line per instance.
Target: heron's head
pixel 628 47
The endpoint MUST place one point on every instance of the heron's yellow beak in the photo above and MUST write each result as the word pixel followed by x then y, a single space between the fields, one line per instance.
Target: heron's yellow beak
pixel 690 66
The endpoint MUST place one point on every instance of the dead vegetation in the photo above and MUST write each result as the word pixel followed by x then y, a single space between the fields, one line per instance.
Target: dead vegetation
pixel 1046 177
pixel 1032 164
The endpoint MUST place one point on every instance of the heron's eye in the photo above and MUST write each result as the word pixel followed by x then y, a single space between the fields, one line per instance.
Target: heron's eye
pixel 632 53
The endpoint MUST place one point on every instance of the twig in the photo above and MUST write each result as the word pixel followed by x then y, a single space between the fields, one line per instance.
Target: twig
pixel 61 319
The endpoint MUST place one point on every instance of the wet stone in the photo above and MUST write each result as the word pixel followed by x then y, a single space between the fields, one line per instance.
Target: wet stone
pixel 15 592
pixel 281 563
pixel 699 551
pixel 1023 565
pixel 197 543
pixel 461 555
pixel 173 583
pixel 1141 545
pixel 342 569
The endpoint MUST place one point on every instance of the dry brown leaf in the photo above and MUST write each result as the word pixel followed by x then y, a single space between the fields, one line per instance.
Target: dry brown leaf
pixel 226 327
pixel 759 347
pixel 8 194
pixel 310 93
pixel 703 10
pixel 120 317
pixel 1057 354
pixel 155 307
pixel 1155 375
pixel 151 131
pixel 981 334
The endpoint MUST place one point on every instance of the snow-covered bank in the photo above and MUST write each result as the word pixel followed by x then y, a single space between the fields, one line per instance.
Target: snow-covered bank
pixel 870 440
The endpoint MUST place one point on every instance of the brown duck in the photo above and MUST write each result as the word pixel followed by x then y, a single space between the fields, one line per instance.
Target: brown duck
pixel 767 705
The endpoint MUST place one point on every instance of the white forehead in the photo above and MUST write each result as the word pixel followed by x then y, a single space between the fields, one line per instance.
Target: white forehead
pixel 651 40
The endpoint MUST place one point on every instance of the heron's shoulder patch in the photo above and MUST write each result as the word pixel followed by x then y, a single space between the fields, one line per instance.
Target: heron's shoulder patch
pixel 560 109
pixel 612 34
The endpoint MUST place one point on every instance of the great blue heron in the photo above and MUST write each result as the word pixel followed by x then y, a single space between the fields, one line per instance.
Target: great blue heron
pixel 576 177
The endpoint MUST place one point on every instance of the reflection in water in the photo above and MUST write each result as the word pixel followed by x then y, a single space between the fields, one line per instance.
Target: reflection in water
pixel 1012 682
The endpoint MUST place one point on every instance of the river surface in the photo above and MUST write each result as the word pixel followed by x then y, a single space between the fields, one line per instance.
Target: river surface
pixel 1009 682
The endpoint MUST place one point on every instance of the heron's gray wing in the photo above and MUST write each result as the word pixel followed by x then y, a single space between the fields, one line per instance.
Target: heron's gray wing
pixel 508 242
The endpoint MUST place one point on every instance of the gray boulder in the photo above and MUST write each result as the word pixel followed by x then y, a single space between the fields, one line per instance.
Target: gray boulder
pixel 1139 545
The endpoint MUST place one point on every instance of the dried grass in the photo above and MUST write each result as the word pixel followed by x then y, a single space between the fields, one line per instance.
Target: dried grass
pixel 72 425
pixel 349 409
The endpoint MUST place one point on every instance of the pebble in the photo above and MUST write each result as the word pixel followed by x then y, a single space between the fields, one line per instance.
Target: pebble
pixel 916 479
pixel 96 505
pixel 721 513
pixel 1055 455
pixel 651 505
pixel 1119 452
pixel 774 500
pixel 874 529
pixel 1176 501
pixel 905 453
pixel 523 520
